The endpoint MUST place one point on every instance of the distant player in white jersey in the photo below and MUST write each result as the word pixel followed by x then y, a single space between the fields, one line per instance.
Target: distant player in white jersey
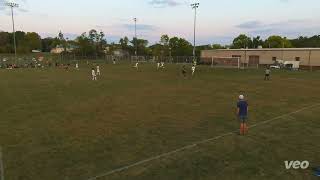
pixel 114 61
pixel 98 71
pixel 195 62
pixel 193 69
pixel 77 66
pixel 136 66
pixel 162 65
pixel 94 75
pixel 158 65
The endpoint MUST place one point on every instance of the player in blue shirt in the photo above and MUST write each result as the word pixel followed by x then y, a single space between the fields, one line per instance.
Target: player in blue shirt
pixel 242 113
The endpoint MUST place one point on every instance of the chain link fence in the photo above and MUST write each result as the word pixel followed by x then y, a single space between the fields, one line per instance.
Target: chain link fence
pixel 48 59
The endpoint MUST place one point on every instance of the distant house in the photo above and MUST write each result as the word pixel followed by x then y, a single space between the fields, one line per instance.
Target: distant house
pixel 59 49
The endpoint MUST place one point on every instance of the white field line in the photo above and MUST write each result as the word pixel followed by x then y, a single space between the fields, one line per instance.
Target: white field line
pixel 194 145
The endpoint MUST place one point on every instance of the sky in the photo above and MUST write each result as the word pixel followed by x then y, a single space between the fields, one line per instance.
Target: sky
pixel 218 21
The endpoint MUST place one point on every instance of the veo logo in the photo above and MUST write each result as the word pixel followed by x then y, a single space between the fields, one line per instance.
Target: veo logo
pixel 296 164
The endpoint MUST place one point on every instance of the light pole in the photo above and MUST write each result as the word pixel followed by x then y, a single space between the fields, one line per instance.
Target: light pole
pixel 135 35
pixel 13 5
pixel 194 6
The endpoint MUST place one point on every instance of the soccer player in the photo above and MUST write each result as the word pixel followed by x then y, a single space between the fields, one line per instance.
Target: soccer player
pixel 184 71
pixel 98 71
pixel 94 76
pixel 194 62
pixel 267 74
pixel 114 61
pixel 158 65
pixel 77 66
pixel 162 65
pixel 136 66
pixel 193 69
pixel 242 113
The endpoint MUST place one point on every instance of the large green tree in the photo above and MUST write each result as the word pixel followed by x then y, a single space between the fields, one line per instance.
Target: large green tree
pixel 33 40
pixel 180 47
pixel 93 43
pixel 47 44
pixel 164 41
pixel 85 46
pixel 5 44
pixel 157 49
pixel 217 46
pixel 141 45
pixel 257 41
pixel 124 44
pixel 278 42
pixel 242 41
pixel 303 42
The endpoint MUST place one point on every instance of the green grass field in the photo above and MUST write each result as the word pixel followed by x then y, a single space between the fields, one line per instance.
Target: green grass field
pixel 59 125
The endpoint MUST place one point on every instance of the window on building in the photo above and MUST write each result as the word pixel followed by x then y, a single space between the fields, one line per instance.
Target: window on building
pixel 297 58
pixel 274 58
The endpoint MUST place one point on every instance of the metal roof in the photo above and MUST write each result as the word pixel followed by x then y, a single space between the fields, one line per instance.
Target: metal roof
pixel 268 49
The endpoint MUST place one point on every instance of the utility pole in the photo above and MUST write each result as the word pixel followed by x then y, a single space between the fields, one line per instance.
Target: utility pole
pixel 135 35
pixel 13 5
pixel 194 6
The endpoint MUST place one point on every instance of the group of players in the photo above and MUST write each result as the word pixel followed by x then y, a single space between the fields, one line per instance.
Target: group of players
pixel 95 72
pixel 160 65
pixel 242 104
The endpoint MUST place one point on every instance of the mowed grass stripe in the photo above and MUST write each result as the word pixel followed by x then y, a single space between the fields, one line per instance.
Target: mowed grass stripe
pixel 256 158
pixel 177 151
pixel 61 125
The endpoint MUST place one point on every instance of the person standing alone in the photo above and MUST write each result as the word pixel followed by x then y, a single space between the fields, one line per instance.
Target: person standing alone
pixel 267 74
pixel 242 113
pixel 94 75
pixel 184 71
pixel 98 71
pixel 193 69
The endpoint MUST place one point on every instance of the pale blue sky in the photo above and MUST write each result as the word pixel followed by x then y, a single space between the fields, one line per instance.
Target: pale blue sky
pixel 218 21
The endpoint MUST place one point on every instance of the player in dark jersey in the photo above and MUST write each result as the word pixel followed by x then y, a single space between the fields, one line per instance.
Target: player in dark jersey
pixel 184 71
pixel 242 113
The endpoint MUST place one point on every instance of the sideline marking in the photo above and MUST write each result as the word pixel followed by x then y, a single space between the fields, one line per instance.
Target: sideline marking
pixel 194 145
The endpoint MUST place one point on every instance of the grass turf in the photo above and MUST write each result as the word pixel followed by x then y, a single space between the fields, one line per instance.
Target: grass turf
pixel 60 125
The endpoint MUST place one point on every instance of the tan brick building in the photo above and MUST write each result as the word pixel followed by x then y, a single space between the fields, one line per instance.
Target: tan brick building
pixel 308 57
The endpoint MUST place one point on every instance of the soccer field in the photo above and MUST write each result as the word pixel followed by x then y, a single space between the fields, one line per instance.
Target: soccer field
pixel 129 125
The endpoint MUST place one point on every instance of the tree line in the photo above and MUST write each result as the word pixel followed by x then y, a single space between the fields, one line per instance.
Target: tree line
pixel 94 43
